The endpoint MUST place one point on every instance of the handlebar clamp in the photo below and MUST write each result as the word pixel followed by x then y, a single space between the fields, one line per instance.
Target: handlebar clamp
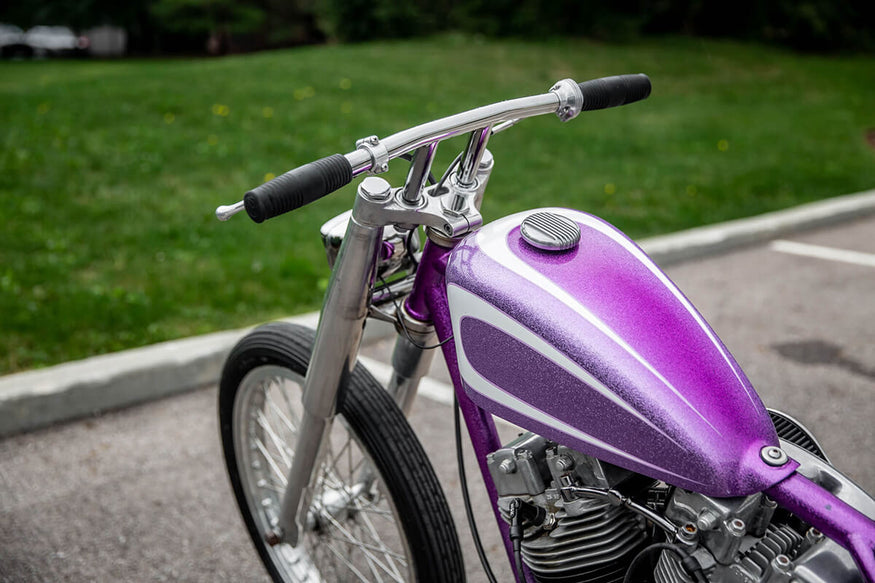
pixel 570 99
pixel 377 151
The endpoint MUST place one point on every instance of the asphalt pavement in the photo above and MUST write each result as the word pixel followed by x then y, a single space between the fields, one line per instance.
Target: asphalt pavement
pixel 141 495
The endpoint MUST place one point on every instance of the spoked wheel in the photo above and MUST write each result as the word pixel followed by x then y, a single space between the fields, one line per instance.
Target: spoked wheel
pixel 378 512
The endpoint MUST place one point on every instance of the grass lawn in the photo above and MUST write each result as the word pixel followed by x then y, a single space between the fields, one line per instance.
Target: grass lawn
pixel 110 171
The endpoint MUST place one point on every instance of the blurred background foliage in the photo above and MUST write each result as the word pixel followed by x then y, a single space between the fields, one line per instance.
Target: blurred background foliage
pixel 222 26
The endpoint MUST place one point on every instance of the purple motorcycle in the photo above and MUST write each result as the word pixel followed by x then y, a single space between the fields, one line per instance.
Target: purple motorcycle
pixel 647 455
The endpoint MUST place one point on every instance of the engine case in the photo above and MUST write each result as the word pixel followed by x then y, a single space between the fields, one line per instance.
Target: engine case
pixel 572 540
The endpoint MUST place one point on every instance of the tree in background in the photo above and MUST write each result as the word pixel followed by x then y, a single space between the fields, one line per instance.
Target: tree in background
pixel 185 25
pixel 217 20
pixel 292 23
pixel 800 24
pixel 362 20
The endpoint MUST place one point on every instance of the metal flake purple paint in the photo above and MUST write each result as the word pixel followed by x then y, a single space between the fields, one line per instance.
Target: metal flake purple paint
pixel 595 348
pixel 833 517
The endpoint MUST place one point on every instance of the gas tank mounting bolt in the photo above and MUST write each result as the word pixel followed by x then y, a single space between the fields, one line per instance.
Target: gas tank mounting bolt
pixel 774 456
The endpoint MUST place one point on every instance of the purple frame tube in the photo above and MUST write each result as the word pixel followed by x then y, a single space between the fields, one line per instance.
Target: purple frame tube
pixel 428 302
pixel 833 517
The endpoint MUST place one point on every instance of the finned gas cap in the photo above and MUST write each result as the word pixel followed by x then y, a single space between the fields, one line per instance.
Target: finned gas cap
pixel 550 231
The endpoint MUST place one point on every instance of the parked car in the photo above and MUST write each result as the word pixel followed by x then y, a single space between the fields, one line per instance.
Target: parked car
pixel 55 41
pixel 12 43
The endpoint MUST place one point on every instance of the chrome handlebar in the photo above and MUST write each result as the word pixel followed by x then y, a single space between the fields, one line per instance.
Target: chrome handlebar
pixel 373 155
pixel 363 160
pixel 566 99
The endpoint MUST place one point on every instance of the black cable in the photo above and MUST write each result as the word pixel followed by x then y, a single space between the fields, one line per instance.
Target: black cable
pixel 408 249
pixel 688 562
pixel 516 536
pixel 437 190
pixel 463 482
pixel 518 559
pixel 404 326
pixel 412 257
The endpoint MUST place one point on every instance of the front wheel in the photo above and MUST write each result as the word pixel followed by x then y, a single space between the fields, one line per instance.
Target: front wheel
pixel 378 512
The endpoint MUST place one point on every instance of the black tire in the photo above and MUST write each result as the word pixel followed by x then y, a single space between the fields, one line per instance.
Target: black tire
pixel 276 356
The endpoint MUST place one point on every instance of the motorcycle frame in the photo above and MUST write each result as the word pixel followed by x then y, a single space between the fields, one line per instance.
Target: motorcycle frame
pixel 447 219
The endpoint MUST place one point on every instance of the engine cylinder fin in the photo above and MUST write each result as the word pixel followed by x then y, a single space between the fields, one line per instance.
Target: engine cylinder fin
pixel 669 570
pixel 577 534
pixel 754 565
pixel 581 554
pixel 778 540
pixel 612 573
pixel 594 545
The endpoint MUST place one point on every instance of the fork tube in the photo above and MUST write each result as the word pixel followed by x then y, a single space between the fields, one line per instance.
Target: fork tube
pixel 334 354
pixel 409 364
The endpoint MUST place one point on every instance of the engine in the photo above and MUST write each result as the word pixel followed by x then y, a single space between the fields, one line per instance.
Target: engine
pixel 585 520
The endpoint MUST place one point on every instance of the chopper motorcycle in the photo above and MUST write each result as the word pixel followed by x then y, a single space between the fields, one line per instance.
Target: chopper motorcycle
pixel 645 455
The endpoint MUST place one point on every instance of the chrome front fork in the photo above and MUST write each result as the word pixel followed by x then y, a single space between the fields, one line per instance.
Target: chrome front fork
pixel 346 307
pixel 410 360
pixel 334 354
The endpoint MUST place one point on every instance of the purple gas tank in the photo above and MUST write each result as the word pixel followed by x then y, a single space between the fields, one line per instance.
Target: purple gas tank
pixel 595 348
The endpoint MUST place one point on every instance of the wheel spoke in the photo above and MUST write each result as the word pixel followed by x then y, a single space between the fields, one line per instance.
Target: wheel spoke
pixel 267 485
pixel 358 544
pixel 292 427
pixel 281 389
pixel 349 463
pixel 330 474
pixel 329 470
pixel 343 560
pixel 276 470
pixel 278 443
pixel 382 550
pixel 332 465
pixel 381 545
pixel 369 510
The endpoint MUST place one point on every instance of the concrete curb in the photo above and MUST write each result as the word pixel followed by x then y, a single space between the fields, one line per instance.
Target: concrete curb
pixel 723 237
pixel 35 399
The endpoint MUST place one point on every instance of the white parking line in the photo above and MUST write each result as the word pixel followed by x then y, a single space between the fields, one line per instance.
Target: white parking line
pixel 431 389
pixel 428 387
pixel 820 252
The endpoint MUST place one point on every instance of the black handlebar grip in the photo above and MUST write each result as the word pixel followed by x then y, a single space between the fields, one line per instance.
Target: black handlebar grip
pixel 297 187
pixel 613 91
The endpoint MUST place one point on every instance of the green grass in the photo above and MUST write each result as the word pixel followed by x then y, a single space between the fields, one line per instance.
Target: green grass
pixel 110 171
